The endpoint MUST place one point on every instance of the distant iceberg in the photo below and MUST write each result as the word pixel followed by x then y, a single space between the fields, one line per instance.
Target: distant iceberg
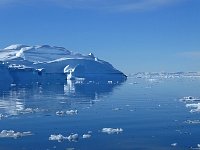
pixel 22 63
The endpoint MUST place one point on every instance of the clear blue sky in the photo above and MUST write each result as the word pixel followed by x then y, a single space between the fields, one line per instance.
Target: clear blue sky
pixel 134 35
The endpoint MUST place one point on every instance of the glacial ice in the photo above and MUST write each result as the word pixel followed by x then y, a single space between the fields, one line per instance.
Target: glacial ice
pixel 22 63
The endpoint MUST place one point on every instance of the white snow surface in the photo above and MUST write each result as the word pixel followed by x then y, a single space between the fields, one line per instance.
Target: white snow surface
pixel 45 59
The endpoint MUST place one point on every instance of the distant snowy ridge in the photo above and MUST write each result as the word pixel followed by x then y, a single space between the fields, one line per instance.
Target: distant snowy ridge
pixel 41 62
pixel 165 75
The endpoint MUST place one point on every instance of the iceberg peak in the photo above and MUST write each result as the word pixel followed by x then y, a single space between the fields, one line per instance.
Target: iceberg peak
pixel 15 47
pixel 91 55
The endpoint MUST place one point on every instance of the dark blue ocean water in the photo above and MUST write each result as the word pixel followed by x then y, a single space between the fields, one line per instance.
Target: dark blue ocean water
pixel 148 110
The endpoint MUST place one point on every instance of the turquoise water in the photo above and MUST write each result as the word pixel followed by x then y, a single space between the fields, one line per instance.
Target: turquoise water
pixel 148 113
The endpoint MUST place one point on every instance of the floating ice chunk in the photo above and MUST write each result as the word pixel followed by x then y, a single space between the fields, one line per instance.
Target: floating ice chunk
pixel 198 147
pixel 153 80
pixel 70 148
pixel 116 109
pixel 12 85
pixel 13 134
pixel 196 107
pixel 58 137
pixel 89 132
pixel 86 136
pixel 60 113
pixel 72 112
pixel 110 82
pixel 174 144
pixel 189 99
pixel 73 137
pixel 112 130
pixel 29 110
pixel 68 112
pixel 1 116
pixel 192 121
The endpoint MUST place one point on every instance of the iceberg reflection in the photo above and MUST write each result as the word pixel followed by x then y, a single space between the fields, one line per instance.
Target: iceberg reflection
pixel 49 98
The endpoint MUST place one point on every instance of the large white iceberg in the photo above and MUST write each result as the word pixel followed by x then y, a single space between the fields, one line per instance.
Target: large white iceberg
pixel 37 63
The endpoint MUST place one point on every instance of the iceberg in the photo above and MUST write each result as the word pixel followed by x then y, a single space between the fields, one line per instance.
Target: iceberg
pixel 22 63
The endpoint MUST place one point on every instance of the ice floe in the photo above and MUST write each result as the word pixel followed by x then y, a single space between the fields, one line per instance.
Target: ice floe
pixel 60 113
pixel 70 148
pixel 72 112
pixel 197 148
pixel 13 134
pixel 192 103
pixel 189 99
pixel 194 107
pixel 73 137
pixel 2 116
pixel 192 121
pixel 60 137
pixel 117 109
pixel 174 144
pixel 86 136
pixel 68 112
pixel 29 110
pixel 112 130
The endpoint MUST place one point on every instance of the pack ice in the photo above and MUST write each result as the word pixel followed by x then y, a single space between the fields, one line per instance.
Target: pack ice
pixel 22 63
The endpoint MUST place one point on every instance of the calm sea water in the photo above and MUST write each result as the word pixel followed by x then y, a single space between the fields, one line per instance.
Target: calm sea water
pixel 149 111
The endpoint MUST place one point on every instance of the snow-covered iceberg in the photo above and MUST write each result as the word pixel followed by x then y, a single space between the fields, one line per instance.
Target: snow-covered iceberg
pixel 22 63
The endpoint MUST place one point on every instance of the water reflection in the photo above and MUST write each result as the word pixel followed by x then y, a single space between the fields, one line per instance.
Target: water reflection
pixel 24 99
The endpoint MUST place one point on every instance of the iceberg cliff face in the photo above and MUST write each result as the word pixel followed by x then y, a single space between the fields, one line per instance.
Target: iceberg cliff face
pixel 21 63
